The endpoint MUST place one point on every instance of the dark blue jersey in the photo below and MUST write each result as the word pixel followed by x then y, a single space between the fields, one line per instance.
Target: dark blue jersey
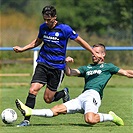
pixel 53 51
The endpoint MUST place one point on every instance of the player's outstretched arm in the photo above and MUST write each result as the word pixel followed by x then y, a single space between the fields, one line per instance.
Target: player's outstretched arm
pixel 130 71
pixel 69 71
pixel 85 45
pixel 127 73
pixel 31 45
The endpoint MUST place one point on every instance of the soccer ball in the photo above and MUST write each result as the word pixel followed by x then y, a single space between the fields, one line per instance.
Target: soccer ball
pixel 8 116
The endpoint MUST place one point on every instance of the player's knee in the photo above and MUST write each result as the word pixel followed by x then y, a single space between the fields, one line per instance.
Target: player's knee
pixel 90 120
pixel 47 100
pixel 32 91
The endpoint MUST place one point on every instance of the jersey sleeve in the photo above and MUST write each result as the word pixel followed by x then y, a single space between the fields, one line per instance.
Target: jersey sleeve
pixel 40 36
pixel 113 69
pixel 70 33
pixel 82 70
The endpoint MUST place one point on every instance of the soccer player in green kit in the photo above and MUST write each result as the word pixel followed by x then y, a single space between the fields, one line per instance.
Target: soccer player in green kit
pixel 96 76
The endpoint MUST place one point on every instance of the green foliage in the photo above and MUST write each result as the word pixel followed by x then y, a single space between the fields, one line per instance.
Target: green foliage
pixel 99 16
pixel 28 7
pixel 96 16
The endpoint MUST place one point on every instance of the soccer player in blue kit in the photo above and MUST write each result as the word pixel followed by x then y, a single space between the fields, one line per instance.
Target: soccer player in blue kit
pixel 96 76
pixel 51 60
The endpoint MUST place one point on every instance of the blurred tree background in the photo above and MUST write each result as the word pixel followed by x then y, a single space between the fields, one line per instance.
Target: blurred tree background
pixel 106 21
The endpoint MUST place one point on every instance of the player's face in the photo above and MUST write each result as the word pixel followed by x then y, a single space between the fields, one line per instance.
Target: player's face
pixel 100 52
pixel 49 21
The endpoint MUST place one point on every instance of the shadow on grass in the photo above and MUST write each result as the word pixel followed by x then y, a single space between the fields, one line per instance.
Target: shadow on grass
pixel 36 125
pixel 65 124
pixel 74 124
pixel 69 124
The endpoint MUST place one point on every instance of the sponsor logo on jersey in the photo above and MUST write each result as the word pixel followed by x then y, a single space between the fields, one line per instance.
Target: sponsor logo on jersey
pixel 92 72
pixel 52 38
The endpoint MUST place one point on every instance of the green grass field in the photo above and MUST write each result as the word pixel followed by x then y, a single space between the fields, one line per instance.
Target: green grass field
pixel 118 96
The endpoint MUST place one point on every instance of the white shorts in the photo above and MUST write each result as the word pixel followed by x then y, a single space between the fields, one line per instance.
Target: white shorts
pixel 88 101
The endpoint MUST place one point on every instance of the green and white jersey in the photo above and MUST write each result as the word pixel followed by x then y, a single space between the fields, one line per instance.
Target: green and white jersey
pixel 97 76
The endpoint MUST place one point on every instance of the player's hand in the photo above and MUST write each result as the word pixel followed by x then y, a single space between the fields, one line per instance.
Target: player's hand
pixel 99 57
pixel 17 49
pixel 69 59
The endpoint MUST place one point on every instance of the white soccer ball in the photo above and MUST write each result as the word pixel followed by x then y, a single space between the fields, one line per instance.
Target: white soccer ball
pixel 8 116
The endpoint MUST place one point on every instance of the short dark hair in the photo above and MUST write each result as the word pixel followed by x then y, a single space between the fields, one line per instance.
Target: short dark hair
pixel 49 11
pixel 100 45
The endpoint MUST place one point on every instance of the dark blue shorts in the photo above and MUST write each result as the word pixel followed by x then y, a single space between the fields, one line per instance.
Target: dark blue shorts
pixel 47 75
